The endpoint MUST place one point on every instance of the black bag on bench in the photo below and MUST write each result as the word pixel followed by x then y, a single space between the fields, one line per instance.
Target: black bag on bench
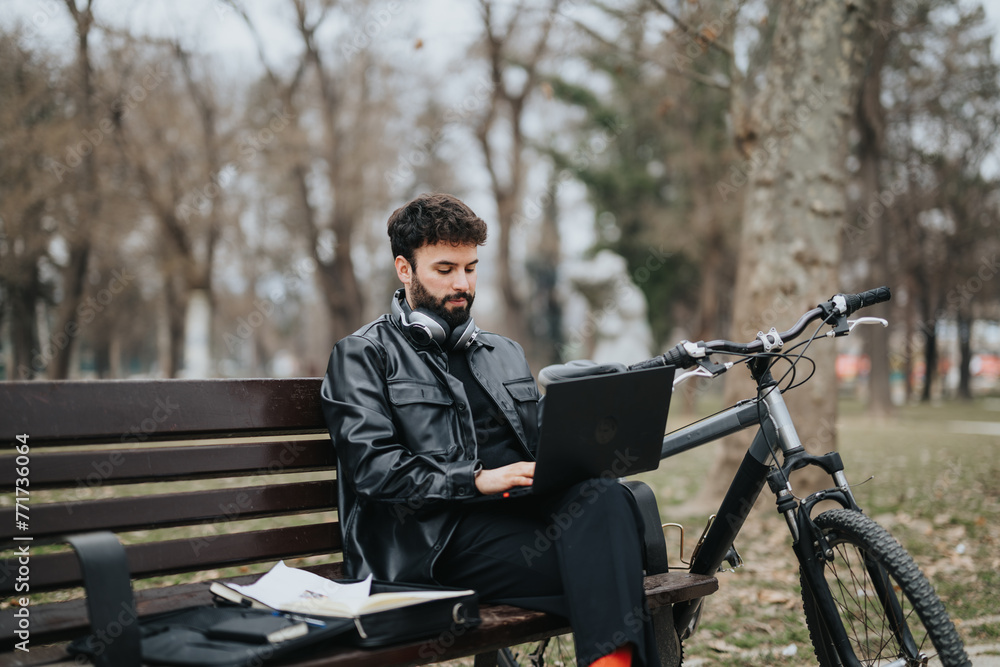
pixel 187 637
pixel 192 636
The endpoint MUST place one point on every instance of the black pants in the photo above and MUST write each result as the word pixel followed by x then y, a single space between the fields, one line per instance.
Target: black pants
pixel 576 554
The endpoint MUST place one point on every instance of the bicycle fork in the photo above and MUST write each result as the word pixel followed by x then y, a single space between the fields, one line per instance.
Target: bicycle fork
pixel 810 545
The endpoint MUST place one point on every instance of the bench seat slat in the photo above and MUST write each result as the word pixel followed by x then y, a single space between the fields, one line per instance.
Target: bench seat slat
pixel 174 509
pixel 156 464
pixel 61 570
pixel 502 624
pixel 139 410
pixel 68 620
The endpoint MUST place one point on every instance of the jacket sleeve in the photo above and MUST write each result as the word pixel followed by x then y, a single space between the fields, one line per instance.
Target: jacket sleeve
pixel 372 459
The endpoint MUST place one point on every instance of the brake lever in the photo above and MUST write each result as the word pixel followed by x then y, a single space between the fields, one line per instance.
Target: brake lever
pixel 705 369
pixel 861 320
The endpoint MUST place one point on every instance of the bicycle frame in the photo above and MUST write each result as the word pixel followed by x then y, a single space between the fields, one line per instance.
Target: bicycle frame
pixel 776 434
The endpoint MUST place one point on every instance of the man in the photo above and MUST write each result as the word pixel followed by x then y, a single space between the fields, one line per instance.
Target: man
pixel 426 411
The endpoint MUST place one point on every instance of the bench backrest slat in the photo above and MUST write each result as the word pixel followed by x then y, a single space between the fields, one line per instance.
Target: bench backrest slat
pixel 57 469
pixel 140 411
pixel 194 475
pixel 175 509
pixel 61 570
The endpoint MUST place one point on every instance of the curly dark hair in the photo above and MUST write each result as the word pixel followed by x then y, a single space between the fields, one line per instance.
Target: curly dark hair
pixel 430 219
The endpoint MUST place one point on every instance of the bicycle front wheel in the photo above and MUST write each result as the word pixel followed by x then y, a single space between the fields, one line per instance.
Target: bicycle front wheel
pixel 891 614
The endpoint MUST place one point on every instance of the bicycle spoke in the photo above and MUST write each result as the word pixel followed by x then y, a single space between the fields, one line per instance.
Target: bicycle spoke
pixel 882 623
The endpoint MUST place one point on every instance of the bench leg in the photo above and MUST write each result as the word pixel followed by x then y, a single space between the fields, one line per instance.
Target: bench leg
pixel 486 660
pixel 668 644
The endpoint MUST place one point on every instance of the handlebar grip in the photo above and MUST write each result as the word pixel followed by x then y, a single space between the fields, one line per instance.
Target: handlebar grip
pixel 655 362
pixel 678 356
pixel 675 356
pixel 856 302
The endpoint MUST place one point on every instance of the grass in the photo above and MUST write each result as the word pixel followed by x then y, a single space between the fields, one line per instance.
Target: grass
pixel 935 489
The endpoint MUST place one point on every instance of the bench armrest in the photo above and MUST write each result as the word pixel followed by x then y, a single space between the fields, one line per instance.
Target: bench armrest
pixel 654 545
pixel 111 606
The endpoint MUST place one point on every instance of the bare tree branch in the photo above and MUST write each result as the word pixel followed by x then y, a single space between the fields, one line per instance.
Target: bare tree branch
pixel 683 25
pixel 687 73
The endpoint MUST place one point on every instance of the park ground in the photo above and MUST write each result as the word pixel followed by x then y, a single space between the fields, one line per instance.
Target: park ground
pixel 935 487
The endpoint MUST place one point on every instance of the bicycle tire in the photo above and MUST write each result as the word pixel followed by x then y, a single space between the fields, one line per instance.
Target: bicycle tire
pixel 853 538
pixel 558 651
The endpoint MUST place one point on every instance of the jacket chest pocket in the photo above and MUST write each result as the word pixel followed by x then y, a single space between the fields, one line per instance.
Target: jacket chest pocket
pixel 524 391
pixel 424 415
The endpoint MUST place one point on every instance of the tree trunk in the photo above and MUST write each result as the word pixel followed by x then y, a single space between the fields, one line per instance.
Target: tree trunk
pixel 73 284
pixel 965 355
pixel 545 311
pixel 515 323
pixel 342 291
pixel 795 202
pixel 930 359
pixel 87 196
pixel 24 330
pixel 198 334
pixel 176 314
pixel 872 231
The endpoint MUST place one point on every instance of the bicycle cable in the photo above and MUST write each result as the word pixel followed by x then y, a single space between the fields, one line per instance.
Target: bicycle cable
pixel 772 447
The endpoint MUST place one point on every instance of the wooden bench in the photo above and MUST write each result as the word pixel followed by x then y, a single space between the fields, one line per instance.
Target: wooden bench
pixel 200 478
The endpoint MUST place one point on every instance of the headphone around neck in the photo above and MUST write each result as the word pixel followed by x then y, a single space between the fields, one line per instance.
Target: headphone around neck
pixel 423 326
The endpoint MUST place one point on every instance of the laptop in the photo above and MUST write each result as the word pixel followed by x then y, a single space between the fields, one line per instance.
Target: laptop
pixel 598 426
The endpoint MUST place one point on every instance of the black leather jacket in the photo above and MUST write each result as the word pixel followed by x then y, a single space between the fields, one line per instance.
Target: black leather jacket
pixel 406 444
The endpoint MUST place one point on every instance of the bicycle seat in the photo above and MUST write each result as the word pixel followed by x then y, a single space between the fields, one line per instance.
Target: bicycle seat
pixel 577 368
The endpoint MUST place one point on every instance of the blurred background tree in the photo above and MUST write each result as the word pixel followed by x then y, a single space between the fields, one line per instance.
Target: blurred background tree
pixel 168 209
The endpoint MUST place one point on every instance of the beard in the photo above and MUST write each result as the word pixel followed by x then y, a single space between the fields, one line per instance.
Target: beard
pixel 424 299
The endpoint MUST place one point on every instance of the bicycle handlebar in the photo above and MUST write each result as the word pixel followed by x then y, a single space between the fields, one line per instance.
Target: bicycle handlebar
pixel 856 302
pixel 686 354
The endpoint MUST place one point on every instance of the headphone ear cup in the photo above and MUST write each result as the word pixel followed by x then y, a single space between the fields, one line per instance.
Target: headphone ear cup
pixel 462 336
pixel 423 326
pixel 420 328
pixel 430 326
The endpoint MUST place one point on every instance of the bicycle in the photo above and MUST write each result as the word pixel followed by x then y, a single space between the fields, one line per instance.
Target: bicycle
pixel 865 600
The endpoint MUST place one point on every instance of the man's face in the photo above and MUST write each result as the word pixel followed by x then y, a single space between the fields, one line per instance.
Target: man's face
pixel 444 281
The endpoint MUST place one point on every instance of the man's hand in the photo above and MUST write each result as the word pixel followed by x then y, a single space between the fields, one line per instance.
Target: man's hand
pixel 498 480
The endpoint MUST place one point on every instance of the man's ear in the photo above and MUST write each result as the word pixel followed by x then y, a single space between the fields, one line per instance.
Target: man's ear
pixel 403 270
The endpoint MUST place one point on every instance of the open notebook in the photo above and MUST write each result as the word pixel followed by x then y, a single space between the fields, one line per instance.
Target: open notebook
pixel 296 591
